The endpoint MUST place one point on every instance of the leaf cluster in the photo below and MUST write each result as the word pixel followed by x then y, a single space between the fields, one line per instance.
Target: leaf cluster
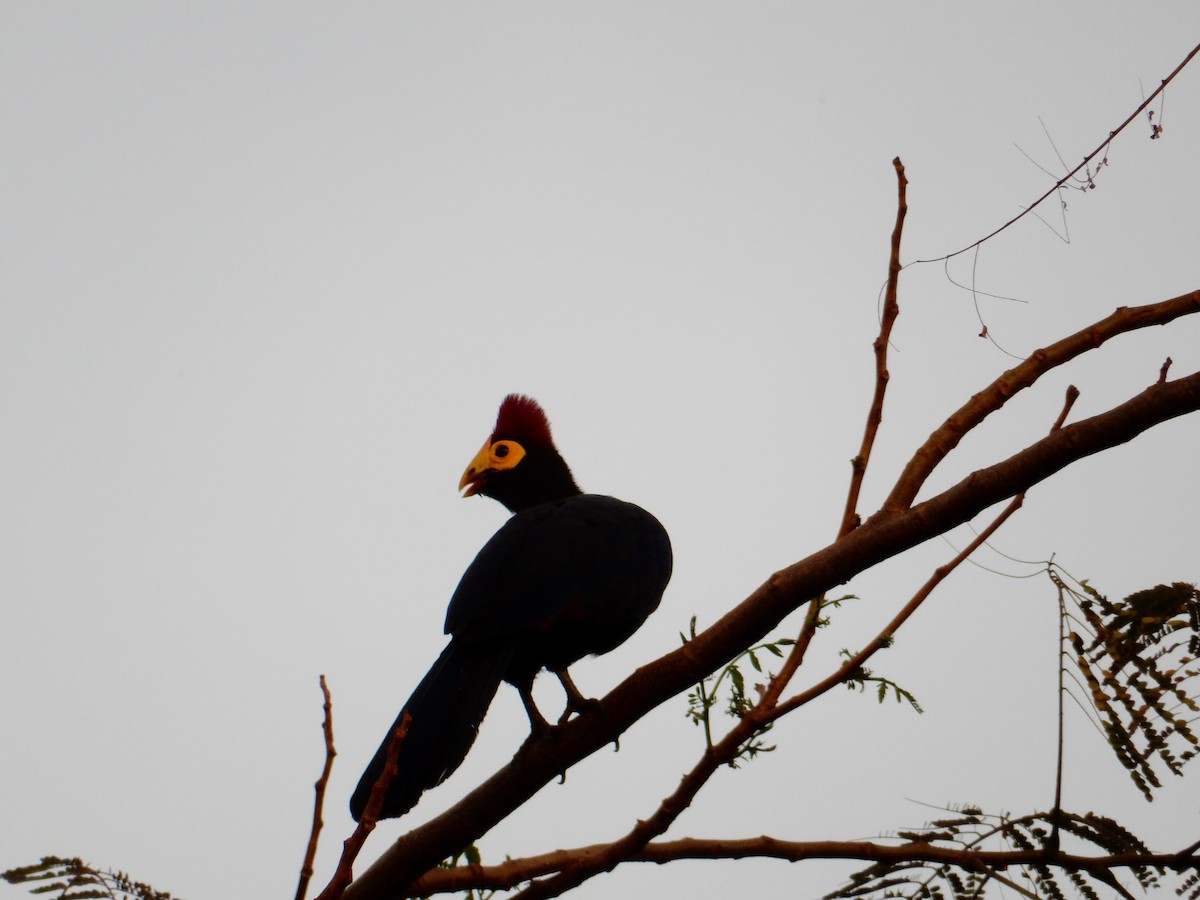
pixel 860 677
pixel 73 879
pixel 737 702
pixel 1137 659
pixel 972 831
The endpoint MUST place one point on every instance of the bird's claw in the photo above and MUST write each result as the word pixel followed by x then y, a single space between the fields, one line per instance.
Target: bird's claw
pixel 578 706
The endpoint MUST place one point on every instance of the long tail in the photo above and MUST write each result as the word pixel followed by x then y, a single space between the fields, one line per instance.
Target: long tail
pixel 446 708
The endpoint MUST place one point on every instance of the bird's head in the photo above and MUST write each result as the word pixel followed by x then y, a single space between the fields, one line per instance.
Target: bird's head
pixel 518 464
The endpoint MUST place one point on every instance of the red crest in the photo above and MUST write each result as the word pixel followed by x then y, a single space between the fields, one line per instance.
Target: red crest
pixel 522 419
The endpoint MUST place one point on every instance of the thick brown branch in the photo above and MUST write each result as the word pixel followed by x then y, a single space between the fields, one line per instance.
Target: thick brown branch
pixel 1015 380
pixel 881 537
pixel 881 640
pixel 513 872
pixel 609 856
pixel 939 575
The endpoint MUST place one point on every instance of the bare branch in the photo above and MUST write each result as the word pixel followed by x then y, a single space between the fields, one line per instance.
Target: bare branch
pixel 1068 402
pixel 1072 396
pixel 884 637
pixel 606 857
pixel 352 846
pixel 1166 367
pixel 1016 379
pixel 882 640
pixel 513 872
pixel 310 853
pixel 891 309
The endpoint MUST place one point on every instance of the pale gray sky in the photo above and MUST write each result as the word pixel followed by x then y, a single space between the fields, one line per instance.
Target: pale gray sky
pixel 267 271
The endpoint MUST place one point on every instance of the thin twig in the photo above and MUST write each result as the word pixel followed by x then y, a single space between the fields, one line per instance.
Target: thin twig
pixel 850 517
pixel 884 637
pixel 891 309
pixel 1086 161
pixel 354 844
pixel 1068 402
pixel 310 853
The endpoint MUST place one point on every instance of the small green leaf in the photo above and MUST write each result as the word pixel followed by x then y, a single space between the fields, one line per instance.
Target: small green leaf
pixel 735 675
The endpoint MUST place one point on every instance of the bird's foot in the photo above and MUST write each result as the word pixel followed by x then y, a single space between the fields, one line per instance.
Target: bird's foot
pixel 576 702
pixel 578 706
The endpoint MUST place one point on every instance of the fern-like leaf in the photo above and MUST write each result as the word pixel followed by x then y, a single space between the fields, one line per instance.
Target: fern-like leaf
pixel 973 831
pixel 738 700
pixel 72 879
pixel 1137 659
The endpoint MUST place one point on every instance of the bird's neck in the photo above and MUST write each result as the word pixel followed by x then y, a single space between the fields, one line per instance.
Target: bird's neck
pixel 550 480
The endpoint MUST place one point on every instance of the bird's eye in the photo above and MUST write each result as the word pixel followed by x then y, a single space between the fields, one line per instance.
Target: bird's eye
pixel 505 454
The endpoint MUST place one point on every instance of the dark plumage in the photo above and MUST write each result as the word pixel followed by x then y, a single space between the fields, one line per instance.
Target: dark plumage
pixel 569 575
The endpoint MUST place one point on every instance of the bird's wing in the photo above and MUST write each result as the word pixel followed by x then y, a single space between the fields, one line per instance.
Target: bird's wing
pixel 588 558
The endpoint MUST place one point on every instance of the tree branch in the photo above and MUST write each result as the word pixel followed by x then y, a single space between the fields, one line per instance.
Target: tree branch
pixel 939 575
pixel 310 853
pixel 352 846
pixel 513 872
pixel 1075 171
pixel 1015 380
pixel 891 310
pixel 887 533
pixel 769 710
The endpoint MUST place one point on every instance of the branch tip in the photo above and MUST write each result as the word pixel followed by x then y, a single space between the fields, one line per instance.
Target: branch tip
pixel 1162 373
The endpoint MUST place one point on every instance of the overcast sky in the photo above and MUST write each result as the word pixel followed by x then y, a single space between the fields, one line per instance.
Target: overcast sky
pixel 266 272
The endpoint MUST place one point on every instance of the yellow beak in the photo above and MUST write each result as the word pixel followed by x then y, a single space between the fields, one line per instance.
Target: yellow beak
pixel 479 465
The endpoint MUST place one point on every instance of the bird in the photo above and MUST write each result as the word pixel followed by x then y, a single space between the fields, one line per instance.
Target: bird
pixel 569 574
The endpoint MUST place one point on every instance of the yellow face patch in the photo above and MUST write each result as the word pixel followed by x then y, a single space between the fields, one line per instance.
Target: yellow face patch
pixel 494 456
pixel 505 454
